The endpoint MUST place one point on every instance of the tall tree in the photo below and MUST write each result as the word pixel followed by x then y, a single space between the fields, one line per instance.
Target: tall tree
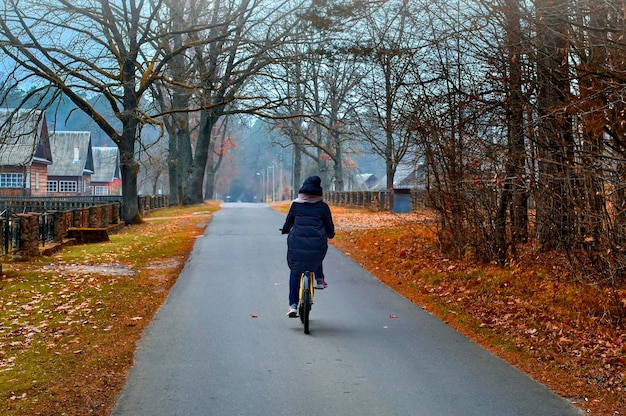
pixel 391 47
pixel 99 48
pixel 508 103
pixel 594 90
pixel 320 78
pixel 556 180
pixel 176 94
pixel 237 49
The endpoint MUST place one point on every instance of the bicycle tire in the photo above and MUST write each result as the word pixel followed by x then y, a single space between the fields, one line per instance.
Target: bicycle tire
pixel 306 309
pixel 301 297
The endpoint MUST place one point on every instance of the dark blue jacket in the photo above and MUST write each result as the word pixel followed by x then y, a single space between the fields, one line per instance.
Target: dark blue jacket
pixel 309 225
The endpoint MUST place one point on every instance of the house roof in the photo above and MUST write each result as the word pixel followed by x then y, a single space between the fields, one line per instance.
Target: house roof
pixel 106 164
pixel 408 175
pixel 23 137
pixel 365 181
pixel 71 151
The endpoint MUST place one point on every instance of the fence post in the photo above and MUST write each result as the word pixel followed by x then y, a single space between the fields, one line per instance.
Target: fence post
pixel 94 220
pixel 106 215
pixel 58 226
pixel 29 237
pixel 115 213
pixel 3 224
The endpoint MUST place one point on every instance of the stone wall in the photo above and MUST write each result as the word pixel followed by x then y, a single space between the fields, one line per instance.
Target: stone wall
pixel 101 216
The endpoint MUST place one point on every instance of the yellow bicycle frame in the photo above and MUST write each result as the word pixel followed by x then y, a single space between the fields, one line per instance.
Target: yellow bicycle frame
pixel 311 277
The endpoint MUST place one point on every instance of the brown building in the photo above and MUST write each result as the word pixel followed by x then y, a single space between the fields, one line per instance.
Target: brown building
pixel 106 179
pixel 70 174
pixel 24 152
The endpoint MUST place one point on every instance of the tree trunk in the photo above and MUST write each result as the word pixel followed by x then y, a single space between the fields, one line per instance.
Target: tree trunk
pixel 555 219
pixel 184 155
pixel 390 169
pixel 209 185
pixel 172 167
pixel 193 190
pixel 516 166
pixel 129 170
pixel 297 168
pixel 131 131
pixel 338 167
pixel 593 87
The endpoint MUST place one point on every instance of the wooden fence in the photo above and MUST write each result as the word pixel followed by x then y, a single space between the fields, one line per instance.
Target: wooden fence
pixel 48 204
pixel 377 200
pixel 27 224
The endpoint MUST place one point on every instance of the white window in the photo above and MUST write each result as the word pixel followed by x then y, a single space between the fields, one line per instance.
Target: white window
pixel 67 186
pixel 102 190
pixel 53 186
pixel 11 180
pixel 37 180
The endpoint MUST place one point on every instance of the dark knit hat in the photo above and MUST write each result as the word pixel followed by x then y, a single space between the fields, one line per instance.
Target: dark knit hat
pixel 312 185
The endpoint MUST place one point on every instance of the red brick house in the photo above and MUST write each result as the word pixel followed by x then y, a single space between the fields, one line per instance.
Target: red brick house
pixel 24 152
pixel 106 179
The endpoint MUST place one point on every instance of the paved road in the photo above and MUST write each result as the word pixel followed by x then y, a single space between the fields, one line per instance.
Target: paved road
pixel 206 353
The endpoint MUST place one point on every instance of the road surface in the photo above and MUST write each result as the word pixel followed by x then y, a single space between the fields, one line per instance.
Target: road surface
pixel 222 344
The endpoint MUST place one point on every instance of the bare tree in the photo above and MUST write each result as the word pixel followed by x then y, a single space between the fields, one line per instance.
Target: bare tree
pixel 239 48
pixel 555 138
pixel 329 96
pixel 222 145
pixel 106 49
pixel 177 94
pixel 391 48
pixel 320 78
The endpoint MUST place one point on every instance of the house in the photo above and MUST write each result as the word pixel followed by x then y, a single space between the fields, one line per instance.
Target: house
pixel 106 179
pixel 25 152
pixel 408 175
pixel 70 174
pixel 365 181
pixel 411 176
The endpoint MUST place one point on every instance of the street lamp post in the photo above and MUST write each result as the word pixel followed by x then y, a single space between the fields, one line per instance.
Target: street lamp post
pixel 273 184
pixel 262 176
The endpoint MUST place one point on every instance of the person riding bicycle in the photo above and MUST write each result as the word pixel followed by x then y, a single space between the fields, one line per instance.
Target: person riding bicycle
pixel 309 224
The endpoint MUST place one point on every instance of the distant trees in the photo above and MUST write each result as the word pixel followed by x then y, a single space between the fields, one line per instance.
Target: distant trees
pixel 391 48
pixel 320 74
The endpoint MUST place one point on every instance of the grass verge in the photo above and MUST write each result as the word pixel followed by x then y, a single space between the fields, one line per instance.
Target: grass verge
pixel 534 314
pixel 70 322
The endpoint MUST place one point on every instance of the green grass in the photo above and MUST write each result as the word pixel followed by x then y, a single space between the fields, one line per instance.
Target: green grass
pixel 68 325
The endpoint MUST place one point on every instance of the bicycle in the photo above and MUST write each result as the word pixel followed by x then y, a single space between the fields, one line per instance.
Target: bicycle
pixel 307 292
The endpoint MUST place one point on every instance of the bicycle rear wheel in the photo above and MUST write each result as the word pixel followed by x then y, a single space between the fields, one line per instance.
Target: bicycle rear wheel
pixel 301 297
pixel 306 310
pixel 306 300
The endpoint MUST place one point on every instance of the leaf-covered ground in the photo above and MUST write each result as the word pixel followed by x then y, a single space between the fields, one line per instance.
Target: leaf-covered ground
pixel 563 332
pixel 69 323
